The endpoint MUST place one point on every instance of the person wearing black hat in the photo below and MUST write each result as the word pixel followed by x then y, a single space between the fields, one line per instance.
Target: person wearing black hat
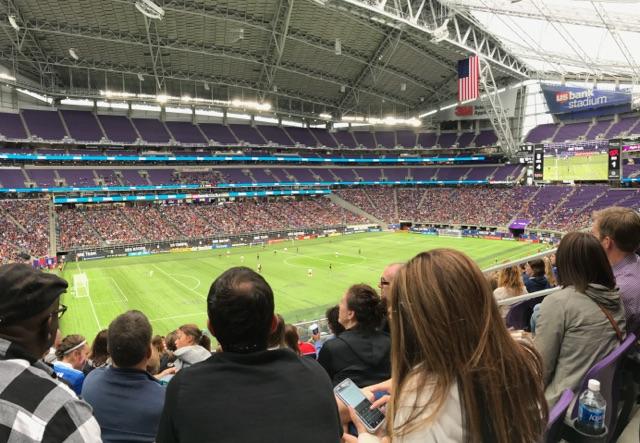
pixel 34 405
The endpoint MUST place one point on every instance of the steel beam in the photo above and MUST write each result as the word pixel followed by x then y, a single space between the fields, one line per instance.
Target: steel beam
pixel 275 50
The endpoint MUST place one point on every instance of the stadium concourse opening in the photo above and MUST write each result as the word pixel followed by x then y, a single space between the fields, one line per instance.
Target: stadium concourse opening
pixel 266 182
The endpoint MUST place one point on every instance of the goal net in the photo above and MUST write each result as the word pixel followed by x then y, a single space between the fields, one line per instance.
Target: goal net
pixel 80 285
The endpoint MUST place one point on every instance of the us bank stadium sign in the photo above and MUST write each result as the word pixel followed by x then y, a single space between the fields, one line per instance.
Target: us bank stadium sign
pixel 564 99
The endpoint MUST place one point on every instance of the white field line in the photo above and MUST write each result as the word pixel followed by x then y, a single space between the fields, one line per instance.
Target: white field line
pixel 93 309
pixel 178 281
pixel 178 316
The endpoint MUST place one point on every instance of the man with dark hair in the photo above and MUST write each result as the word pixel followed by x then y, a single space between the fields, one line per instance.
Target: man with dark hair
pixel 246 393
pixel 618 230
pixel 126 400
pixel 34 405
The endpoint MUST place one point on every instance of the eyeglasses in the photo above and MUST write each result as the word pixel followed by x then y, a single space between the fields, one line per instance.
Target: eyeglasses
pixel 60 311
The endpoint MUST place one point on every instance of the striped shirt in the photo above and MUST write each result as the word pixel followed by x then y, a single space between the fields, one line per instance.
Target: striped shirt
pixel 627 273
pixel 35 406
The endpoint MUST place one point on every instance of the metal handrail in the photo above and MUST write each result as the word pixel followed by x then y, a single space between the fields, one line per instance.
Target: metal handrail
pixel 520 261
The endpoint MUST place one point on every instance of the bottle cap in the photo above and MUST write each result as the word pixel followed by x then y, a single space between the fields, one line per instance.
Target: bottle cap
pixel 594 385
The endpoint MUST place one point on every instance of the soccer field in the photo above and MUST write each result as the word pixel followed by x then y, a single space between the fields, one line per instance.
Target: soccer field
pixel 171 289
pixel 592 167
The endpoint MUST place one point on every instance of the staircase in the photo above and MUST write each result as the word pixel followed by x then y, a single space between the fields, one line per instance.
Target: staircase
pixel 356 210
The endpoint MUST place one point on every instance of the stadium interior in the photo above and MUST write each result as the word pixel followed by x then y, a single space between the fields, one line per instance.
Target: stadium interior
pixel 190 130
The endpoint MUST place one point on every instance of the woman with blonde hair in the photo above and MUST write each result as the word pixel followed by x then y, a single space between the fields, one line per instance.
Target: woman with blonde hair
pixel 457 374
pixel 510 284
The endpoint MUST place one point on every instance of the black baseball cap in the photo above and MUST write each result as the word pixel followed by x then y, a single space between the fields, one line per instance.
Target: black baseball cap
pixel 25 292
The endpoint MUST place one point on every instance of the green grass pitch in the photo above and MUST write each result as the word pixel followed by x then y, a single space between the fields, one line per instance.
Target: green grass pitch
pixel 594 167
pixel 171 289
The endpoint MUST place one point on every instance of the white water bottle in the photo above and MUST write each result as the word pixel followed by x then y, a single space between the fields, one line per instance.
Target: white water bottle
pixel 592 408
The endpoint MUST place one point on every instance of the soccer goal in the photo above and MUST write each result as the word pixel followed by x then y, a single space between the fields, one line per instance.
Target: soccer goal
pixel 80 285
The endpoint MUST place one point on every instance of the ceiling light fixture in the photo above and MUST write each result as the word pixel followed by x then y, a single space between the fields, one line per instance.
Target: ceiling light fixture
pixel 149 9
pixel 13 22
pixel 140 77
pixel 5 76
pixel 73 54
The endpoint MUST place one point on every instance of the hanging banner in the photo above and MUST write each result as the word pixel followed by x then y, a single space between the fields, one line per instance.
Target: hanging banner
pixel 568 99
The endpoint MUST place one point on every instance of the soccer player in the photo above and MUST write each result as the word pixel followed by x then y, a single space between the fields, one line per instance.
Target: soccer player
pixel 259 267
pixel 310 272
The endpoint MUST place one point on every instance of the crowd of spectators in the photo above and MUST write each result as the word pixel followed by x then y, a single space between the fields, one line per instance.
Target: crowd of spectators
pixel 30 236
pixel 120 224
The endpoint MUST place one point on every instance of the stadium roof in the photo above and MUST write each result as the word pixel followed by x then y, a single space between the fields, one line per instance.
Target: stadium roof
pixel 571 38
pixel 305 57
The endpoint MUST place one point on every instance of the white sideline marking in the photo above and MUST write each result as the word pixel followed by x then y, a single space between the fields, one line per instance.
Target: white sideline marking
pixel 178 316
pixel 192 278
pixel 116 285
pixel 93 309
pixel 178 281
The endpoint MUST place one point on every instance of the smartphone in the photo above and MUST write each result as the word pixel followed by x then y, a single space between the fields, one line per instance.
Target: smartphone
pixel 350 394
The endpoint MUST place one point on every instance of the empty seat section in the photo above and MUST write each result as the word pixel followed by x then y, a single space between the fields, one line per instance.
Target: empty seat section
pixel 247 134
pixel 185 132
pixel 218 133
pixel 131 177
pixel 11 178
pixel 42 177
pixel 235 175
pixel 344 174
pixel 598 129
pixel 118 128
pixel 506 172
pixel 395 174
pixel 162 176
pixel 386 139
pixel 480 173
pixel 325 138
pixel 77 177
pixel 465 139
pixel 427 139
pixel 261 176
pixel 345 138
pixel 301 174
pixel 324 174
pixel 276 135
pixel 408 139
pixel 486 138
pixel 571 131
pixel 423 173
pixel 44 124
pixel 369 174
pixel 11 126
pixel 540 133
pixel 151 130
pixel 455 173
pixel 365 139
pixel 301 135
pixel 108 176
pixel 447 139
pixel 82 125
pixel 623 125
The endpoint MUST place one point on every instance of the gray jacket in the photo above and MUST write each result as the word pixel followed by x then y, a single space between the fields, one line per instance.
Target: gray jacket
pixel 572 334
pixel 190 355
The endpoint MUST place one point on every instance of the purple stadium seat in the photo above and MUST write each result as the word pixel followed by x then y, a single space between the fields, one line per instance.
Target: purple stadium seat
pixel 427 139
pixel 519 314
pixel 345 138
pixel 248 134
pixel 486 138
pixel 185 132
pixel 118 128
pixel 408 139
pixel 571 131
pixel 465 139
pixel 11 126
pixel 556 417
pixel 608 372
pixel 44 124
pixel 324 137
pixel 598 129
pixel 82 125
pixel 447 139
pixel 623 125
pixel 218 133
pixel 365 139
pixel 301 135
pixel 541 132
pixel 151 130
pixel 11 178
pixel 275 135
pixel 386 138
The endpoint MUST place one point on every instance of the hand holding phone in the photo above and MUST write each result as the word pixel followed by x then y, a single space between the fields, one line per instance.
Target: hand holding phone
pixel 350 394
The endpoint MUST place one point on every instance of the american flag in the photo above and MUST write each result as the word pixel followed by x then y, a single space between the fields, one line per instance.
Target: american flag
pixel 468 72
